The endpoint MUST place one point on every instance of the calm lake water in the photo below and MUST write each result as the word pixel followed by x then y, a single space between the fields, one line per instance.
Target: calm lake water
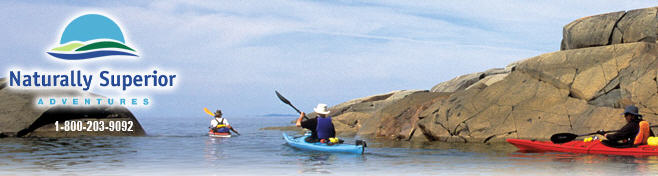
pixel 180 146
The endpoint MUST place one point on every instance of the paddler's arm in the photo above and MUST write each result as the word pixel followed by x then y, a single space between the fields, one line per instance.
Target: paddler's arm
pixel 212 125
pixel 623 133
pixel 299 120
pixel 230 127
pixel 333 130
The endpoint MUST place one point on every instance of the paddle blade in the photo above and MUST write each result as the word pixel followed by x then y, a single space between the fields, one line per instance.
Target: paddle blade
pixel 208 112
pixel 287 102
pixel 563 137
pixel 281 97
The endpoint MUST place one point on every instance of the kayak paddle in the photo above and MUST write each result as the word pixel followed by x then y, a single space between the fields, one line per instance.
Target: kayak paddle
pixel 284 100
pixel 236 132
pixel 567 137
pixel 208 112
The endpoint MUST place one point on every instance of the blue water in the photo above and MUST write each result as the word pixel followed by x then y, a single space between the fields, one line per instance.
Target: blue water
pixel 180 146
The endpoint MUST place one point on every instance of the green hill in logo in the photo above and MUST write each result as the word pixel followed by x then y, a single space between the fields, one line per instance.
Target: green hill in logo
pixel 75 46
pixel 68 47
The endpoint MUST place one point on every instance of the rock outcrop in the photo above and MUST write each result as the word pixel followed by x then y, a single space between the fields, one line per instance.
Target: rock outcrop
pixel 20 116
pixel 348 117
pixel 467 81
pixel 606 62
pixel 390 114
pixel 611 28
pixel 398 121
pixel 580 91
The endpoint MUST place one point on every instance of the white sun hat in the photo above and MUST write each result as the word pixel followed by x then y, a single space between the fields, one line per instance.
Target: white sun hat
pixel 321 109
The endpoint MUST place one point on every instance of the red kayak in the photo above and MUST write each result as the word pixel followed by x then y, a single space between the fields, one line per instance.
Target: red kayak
pixel 216 134
pixel 594 147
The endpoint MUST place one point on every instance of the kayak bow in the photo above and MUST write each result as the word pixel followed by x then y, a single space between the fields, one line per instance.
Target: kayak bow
pixel 222 135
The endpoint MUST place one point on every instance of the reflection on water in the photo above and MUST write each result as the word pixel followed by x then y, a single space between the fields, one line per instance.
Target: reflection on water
pixel 316 163
pixel 59 153
pixel 321 162
pixel 188 151
pixel 212 152
pixel 643 165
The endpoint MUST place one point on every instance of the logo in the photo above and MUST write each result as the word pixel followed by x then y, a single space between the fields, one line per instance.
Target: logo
pixel 91 36
pixel 87 37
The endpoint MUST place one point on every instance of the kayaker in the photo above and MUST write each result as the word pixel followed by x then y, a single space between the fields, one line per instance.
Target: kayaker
pixel 321 127
pixel 635 132
pixel 221 125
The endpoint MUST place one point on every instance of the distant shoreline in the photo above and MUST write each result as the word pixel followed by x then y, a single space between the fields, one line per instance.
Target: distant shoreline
pixel 279 115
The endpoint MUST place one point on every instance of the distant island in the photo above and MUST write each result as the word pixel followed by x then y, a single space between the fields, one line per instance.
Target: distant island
pixel 280 115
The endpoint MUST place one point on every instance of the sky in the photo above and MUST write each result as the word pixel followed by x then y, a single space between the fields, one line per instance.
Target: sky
pixel 233 54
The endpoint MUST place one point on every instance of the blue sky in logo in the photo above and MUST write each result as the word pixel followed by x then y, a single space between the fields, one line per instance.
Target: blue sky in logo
pixel 90 27
pixel 233 54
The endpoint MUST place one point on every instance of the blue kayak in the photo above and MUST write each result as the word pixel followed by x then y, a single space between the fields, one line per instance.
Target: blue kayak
pixel 298 142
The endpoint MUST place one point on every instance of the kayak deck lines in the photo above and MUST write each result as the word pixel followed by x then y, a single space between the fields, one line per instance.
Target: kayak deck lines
pixel 300 143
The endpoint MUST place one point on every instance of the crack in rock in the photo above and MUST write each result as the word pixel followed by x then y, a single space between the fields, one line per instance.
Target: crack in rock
pixel 616 26
pixel 492 136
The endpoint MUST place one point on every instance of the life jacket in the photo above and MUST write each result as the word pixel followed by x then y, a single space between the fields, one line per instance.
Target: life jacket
pixel 221 127
pixel 324 128
pixel 642 134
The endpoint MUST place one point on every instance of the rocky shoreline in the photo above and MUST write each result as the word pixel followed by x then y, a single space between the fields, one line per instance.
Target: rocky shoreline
pixel 606 62
pixel 21 118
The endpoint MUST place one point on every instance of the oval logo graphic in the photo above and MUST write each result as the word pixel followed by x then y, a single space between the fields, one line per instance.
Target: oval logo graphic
pixel 91 36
